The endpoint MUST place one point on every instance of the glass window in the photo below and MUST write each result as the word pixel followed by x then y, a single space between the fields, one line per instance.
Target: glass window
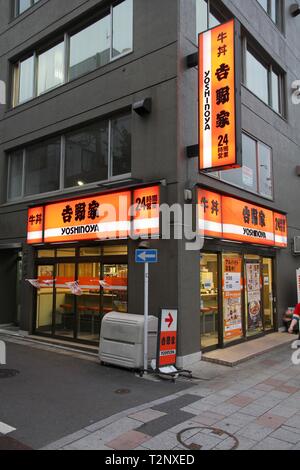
pixel 245 177
pixel 91 251
pixel 26 81
pixel 265 170
pixel 23 5
pixel 257 77
pixel 15 175
pixel 87 155
pixel 42 168
pixel 202 17
pixel 274 9
pixel 51 68
pixel 121 145
pixel 232 297
pixel 122 28
pixel 275 92
pixel 90 48
pixel 66 252
pixel 46 254
pixel 118 250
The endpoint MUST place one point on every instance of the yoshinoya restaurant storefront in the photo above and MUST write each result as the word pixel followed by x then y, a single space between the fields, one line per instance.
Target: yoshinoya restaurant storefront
pixel 238 268
pixel 81 258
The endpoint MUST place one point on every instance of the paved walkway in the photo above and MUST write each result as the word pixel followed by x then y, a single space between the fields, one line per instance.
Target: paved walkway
pixel 253 406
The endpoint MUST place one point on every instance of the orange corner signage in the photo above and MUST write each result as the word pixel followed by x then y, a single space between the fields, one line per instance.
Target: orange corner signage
pixel 219 99
pixel 236 220
pixel 35 224
pixel 106 216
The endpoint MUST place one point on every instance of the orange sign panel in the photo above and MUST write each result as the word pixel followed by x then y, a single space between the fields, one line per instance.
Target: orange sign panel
pixel 246 222
pixel 281 230
pixel 219 101
pixel 99 217
pixel 233 219
pixel 35 223
pixel 210 213
pixel 146 211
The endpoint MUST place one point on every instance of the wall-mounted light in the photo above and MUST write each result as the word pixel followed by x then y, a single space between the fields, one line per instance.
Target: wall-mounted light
pixel 295 10
pixel 143 107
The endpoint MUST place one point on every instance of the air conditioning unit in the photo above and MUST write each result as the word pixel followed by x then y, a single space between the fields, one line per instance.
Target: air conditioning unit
pixel 297 245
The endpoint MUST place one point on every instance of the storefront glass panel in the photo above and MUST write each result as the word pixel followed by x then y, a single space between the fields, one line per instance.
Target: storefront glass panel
pixel 253 296
pixel 44 317
pixel 232 297
pixel 268 293
pixel 88 303
pixel 209 313
pixel 64 301
pixel 114 288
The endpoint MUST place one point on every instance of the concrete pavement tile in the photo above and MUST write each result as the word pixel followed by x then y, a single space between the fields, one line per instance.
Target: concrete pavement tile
pixel 128 441
pixel 288 434
pixel 294 422
pixel 255 432
pixel 65 441
pixel 272 444
pixel 147 415
pixel 287 389
pixel 255 410
pixel 245 443
pixel 215 399
pixel 90 442
pixel 271 421
pixel 284 411
pixel 278 394
pixel 254 393
pixel 164 441
pixel 264 387
pixel 208 418
pixel 226 409
pixel 116 429
pixel 204 441
pixel 240 400
pixel 239 419
pixel 224 425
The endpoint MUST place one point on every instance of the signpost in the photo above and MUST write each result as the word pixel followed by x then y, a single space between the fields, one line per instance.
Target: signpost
pixel 146 257
pixel 167 349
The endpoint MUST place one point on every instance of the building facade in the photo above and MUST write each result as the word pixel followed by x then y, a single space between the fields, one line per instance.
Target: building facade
pixel 101 102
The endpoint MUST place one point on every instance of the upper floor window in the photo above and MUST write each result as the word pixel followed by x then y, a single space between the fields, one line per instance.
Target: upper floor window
pixel 98 152
pixel 264 79
pixel 80 52
pixel 274 9
pixel 206 16
pixel 23 5
pixel 256 174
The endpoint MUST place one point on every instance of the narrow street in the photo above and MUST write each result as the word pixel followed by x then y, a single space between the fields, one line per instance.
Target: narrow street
pixel 68 401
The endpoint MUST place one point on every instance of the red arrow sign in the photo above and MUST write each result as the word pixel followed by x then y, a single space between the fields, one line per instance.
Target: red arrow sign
pixel 169 320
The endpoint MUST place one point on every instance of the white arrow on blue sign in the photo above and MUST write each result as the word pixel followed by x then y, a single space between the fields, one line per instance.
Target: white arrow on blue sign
pixel 146 256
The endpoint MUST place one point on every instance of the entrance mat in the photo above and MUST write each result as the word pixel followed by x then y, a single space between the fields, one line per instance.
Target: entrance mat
pixel 236 355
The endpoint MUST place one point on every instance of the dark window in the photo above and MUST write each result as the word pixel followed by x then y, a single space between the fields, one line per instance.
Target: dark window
pixel 275 11
pixel 23 5
pixel 42 167
pixel 15 174
pixel 121 145
pixel 206 16
pixel 86 158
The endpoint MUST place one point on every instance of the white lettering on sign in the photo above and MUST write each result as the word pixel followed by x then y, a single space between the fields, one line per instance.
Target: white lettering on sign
pixel 2 353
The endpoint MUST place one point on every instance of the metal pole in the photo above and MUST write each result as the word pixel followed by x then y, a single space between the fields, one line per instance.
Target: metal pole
pixel 146 313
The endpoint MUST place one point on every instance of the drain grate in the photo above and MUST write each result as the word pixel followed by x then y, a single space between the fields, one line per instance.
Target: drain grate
pixel 200 438
pixel 122 391
pixel 8 373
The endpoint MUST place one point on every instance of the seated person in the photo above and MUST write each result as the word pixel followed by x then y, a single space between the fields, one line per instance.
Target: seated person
pixel 295 320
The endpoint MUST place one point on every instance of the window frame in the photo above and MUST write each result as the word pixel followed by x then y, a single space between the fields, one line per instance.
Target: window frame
pixel 263 58
pixel 62 188
pixel 65 38
pixel 16 7
pixel 279 22
pixel 218 175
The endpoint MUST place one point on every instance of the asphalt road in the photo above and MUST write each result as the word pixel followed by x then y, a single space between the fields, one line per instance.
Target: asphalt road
pixel 55 395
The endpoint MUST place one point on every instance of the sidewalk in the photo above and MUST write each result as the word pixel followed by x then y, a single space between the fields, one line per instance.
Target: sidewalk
pixel 253 406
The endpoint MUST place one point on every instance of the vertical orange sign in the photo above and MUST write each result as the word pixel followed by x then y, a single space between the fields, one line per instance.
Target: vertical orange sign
pixel 146 211
pixel 210 213
pixel 281 230
pixel 35 224
pixel 219 99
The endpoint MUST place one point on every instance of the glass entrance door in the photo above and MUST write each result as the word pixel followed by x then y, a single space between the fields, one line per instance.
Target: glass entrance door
pixel 64 303
pixel 89 302
pixel 114 288
pixel 268 294
pixel 253 296
pixel 44 308
pixel 209 311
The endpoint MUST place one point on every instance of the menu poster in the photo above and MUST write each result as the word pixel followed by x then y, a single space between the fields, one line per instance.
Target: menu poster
pixel 255 321
pixel 233 328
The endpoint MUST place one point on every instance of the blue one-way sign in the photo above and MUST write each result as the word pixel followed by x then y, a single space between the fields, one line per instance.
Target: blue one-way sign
pixel 146 256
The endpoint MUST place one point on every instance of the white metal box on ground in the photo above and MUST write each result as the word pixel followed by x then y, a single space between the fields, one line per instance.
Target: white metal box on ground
pixel 122 340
